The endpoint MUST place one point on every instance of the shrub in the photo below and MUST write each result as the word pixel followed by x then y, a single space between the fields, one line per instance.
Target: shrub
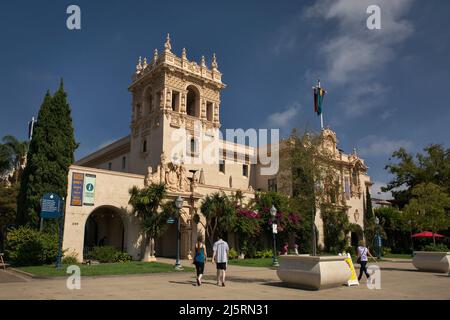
pixel 122 257
pixel 103 254
pixel 386 251
pixel 233 254
pixel 438 247
pixel 109 254
pixel 267 253
pixel 70 258
pixel 26 246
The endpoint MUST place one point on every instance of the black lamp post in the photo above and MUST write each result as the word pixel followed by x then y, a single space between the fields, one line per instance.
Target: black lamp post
pixel 179 205
pixel 273 213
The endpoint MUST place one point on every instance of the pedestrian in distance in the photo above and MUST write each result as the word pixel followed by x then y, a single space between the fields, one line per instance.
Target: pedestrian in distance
pixel 362 252
pixel 220 257
pixel 199 259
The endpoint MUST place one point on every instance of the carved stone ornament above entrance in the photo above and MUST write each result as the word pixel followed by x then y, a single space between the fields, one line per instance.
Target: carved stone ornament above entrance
pixel 172 174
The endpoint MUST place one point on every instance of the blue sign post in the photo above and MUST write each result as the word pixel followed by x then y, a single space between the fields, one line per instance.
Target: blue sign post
pixel 52 207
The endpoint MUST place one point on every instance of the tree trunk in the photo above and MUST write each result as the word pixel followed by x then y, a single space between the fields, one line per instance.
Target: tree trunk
pixel 434 239
pixel 149 249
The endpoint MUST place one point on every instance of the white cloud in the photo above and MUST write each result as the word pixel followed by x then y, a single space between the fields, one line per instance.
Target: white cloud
pixel 375 191
pixel 353 54
pixel 283 119
pixel 380 146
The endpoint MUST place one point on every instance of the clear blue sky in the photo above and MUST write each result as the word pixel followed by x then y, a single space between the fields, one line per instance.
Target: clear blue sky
pixel 385 88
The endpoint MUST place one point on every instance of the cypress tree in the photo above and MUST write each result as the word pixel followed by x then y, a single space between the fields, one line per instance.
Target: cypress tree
pixel 369 210
pixel 50 154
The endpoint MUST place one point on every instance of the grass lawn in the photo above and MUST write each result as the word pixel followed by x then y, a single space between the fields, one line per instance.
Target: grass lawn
pixel 398 255
pixel 133 267
pixel 257 262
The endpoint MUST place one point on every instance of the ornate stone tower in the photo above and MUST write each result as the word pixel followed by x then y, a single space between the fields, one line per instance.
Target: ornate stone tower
pixel 171 92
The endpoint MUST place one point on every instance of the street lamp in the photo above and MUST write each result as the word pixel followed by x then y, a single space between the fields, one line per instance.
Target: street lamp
pixel 377 222
pixel 179 205
pixel 273 213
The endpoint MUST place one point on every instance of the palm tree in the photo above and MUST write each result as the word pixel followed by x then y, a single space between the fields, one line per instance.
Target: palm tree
pixel 19 151
pixel 147 205
pixel 220 214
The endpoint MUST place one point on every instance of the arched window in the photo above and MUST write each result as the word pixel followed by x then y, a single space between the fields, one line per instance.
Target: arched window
pixel 193 102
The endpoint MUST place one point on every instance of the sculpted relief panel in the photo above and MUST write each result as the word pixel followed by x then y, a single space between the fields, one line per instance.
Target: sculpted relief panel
pixel 172 174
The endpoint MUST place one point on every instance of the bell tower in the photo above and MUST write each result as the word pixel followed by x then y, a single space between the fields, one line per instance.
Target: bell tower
pixel 169 93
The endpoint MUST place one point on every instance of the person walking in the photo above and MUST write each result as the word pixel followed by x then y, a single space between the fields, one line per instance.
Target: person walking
pixel 362 252
pixel 220 257
pixel 199 259
pixel 296 249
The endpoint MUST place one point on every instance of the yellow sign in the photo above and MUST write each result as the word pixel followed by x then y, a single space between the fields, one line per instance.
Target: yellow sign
pixel 354 278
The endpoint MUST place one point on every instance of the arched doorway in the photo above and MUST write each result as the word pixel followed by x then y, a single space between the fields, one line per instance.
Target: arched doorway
pixel 104 227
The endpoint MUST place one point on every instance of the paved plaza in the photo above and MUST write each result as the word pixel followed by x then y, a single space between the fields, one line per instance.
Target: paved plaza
pixel 399 280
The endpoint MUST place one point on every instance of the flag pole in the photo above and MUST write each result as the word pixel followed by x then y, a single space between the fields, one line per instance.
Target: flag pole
pixel 321 121
pixel 321 113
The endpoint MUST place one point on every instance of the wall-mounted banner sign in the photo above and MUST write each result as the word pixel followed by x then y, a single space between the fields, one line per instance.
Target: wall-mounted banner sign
pixel 89 190
pixel 76 198
pixel 51 206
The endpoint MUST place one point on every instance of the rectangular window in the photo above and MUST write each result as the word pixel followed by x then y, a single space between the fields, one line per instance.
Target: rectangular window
pixel 222 165
pixel 245 170
pixel 124 162
pixel 144 146
pixel 272 185
pixel 209 111
pixel 175 101
pixel 347 187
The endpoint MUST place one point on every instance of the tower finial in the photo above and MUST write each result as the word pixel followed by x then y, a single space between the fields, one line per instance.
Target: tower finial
pixel 203 62
pixel 167 45
pixel 183 54
pixel 155 55
pixel 214 62
pixel 139 65
pixel 145 63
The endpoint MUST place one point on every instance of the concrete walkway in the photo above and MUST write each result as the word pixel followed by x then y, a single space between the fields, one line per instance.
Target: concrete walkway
pixel 398 281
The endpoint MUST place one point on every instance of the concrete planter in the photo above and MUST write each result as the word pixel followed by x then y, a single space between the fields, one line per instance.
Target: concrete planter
pixel 313 273
pixel 432 261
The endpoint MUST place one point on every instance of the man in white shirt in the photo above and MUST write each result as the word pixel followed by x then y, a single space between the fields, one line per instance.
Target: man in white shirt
pixel 220 257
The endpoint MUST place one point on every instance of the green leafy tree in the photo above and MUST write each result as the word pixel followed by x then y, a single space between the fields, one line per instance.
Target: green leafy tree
pixel 336 228
pixel 147 204
pixel 8 205
pixel 50 155
pixel 5 159
pixel 429 209
pixel 308 174
pixel 395 229
pixel 433 166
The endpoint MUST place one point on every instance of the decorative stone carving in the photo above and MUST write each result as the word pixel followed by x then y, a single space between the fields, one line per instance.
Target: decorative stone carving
pixel 167 45
pixel 172 174
pixel 356 215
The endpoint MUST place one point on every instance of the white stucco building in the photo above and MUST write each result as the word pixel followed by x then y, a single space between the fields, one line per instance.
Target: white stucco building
pixel 174 138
